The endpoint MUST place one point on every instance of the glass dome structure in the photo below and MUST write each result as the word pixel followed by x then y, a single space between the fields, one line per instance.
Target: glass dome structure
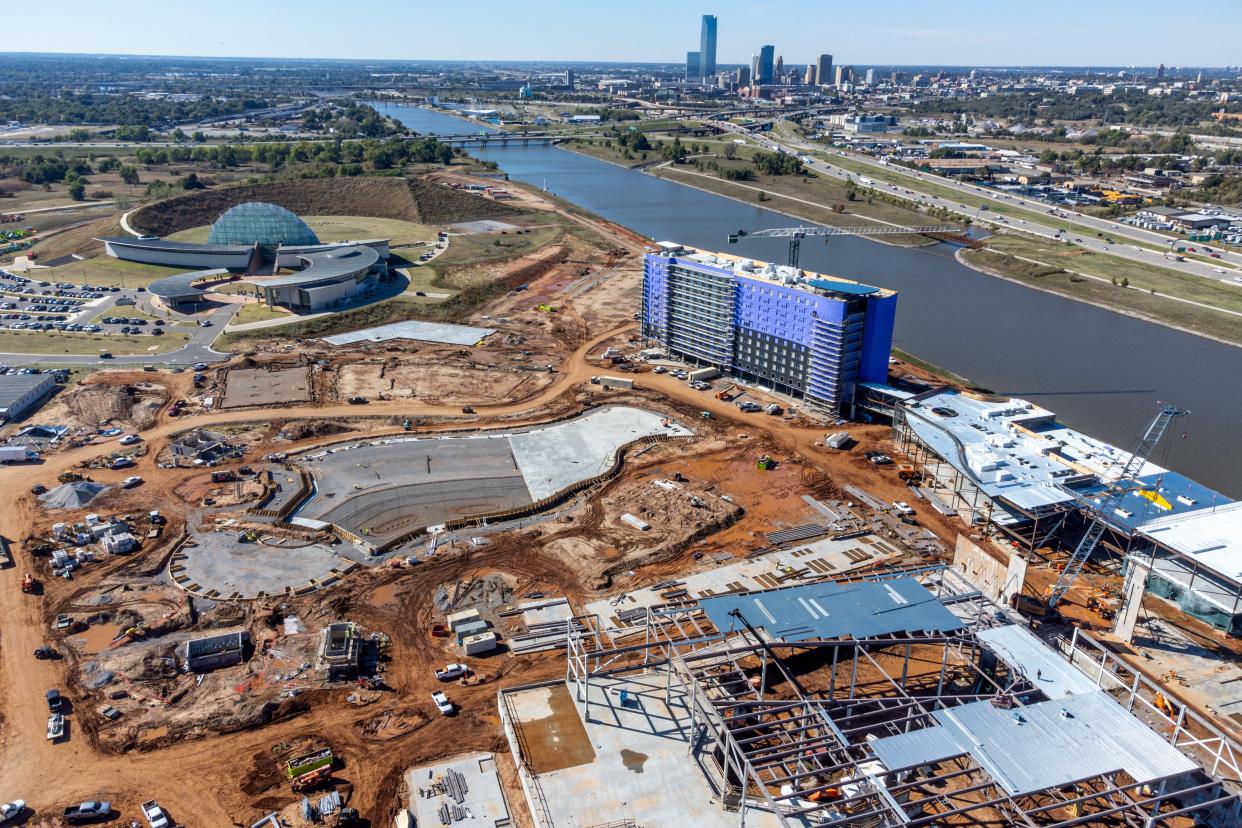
pixel 268 225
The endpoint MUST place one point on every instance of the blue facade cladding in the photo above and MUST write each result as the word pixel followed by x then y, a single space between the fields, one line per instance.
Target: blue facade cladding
pixel 877 338
pixel 814 343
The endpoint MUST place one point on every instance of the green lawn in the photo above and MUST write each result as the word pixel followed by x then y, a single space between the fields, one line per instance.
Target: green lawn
pixel 341 228
pixel 258 312
pixel 107 271
pixel 40 342
pixel 789 194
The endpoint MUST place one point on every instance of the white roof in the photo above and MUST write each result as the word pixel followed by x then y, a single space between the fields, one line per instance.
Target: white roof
pixel 1210 537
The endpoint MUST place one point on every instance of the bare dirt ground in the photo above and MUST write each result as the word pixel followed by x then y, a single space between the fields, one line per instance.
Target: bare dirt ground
pixel 379 734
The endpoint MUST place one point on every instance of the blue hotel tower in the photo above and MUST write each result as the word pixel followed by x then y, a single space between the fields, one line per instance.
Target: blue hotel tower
pixel 800 334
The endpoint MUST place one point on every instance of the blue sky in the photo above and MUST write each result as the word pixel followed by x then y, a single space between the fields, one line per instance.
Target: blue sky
pixel 958 32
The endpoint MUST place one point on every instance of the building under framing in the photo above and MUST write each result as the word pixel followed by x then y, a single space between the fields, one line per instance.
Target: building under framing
pixel 902 698
pixel 1008 467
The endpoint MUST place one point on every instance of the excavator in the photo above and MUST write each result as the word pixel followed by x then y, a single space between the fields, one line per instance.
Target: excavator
pixel 725 394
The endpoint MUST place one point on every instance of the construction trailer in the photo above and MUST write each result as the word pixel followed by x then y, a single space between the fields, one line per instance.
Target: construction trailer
pixel 898 698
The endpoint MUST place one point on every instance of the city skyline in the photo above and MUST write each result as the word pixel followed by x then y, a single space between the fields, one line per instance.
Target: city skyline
pixel 1060 35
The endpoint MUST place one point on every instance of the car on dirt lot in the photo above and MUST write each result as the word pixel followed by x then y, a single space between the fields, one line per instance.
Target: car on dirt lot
pixel 130 482
pixel 130 439
pixel 45 652
pixel 358 401
pixel 11 810
pixel 154 814
pixel 38 489
pixel 442 703
pixel 749 407
pixel 452 671
pixel 902 508
pixel 86 812
pixel 54 700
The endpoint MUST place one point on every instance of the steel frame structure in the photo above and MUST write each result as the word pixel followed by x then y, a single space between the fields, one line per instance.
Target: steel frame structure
pixel 804 754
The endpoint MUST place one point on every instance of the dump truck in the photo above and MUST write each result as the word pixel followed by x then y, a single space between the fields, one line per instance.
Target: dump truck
pixel 306 770
pixel 908 473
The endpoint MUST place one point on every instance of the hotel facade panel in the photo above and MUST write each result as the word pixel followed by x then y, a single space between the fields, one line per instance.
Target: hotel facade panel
pixel 808 337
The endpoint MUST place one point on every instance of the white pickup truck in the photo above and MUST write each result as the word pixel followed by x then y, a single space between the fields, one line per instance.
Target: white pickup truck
pixel 155 815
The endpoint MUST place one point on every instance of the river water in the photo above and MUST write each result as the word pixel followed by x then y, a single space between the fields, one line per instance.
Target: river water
pixel 1101 372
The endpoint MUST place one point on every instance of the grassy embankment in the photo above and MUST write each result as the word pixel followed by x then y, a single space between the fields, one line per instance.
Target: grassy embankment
pixel 814 198
pixel 1149 291
pixel 465 270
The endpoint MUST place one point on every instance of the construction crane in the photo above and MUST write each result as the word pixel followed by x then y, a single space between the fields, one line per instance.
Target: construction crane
pixel 797 234
pixel 1100 509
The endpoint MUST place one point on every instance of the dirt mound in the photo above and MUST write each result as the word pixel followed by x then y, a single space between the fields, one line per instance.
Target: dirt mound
pixel 376 196
pixel 100 403
pixel 72 495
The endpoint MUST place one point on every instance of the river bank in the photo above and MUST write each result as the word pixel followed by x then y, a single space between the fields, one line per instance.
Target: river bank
pixel 1163 317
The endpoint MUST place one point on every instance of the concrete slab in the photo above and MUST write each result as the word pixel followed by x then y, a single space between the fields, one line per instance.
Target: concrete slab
pixel 259 386
pixel 484 226
pixel 641 771
pixel 484 803
pixel 817 560
pixel 556 456
pixel 221 563
pixel 422 331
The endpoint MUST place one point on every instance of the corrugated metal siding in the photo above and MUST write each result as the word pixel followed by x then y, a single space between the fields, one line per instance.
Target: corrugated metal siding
pixel 1025 653
pixel 830 610
pixel 1045 748
pixel 918 747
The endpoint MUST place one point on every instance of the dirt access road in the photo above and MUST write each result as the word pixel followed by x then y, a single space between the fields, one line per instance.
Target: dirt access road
pixel 214 768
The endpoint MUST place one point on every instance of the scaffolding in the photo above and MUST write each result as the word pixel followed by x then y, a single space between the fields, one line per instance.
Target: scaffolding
pixel 787 727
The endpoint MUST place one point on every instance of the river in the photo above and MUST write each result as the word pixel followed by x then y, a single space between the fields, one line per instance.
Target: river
pixel 1101 372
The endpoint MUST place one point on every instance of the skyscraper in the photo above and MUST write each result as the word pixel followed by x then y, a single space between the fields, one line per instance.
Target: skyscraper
pixel 742 76
pixel 823 70
pixel 692 66
pixel 571 80
pixel 844 75
pixel 809 78
pixel 707 46
pixel 754 68
pixel 870 77
pixel 779 71
pixel 766 55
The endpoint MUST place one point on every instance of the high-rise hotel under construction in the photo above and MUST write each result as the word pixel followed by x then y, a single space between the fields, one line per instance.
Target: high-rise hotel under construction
pixel 798 333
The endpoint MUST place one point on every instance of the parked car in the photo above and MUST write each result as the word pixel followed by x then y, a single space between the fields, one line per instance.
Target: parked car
pixel 452 671
pixel 44 653
pixel 155 815
pixel 11 810
pixel 87 812
pixel 442 703
pixel 358 400
pixel 131 482
pixel 38 489
pixel 54 701
pixel 130 439
pixel 902 508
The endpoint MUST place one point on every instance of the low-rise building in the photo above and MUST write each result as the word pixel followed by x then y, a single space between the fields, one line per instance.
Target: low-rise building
pixel 21 393
pixel 216 651
pixel 339 650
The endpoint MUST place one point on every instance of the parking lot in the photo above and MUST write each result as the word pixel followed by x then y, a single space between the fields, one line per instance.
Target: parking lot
pixel 32 306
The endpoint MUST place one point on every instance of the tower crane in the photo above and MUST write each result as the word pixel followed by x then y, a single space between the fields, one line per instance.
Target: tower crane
pixel 1101 508
pixel 797 234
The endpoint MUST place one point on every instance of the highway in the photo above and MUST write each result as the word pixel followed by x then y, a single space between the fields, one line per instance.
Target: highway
pixel 1091 225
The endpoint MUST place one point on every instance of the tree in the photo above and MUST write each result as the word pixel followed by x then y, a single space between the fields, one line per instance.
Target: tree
pixel 730 151
pixel 178 135
pixel 79 135
pixel 198 136
pixel 77 191
pixel 129 174
pixel 191 182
